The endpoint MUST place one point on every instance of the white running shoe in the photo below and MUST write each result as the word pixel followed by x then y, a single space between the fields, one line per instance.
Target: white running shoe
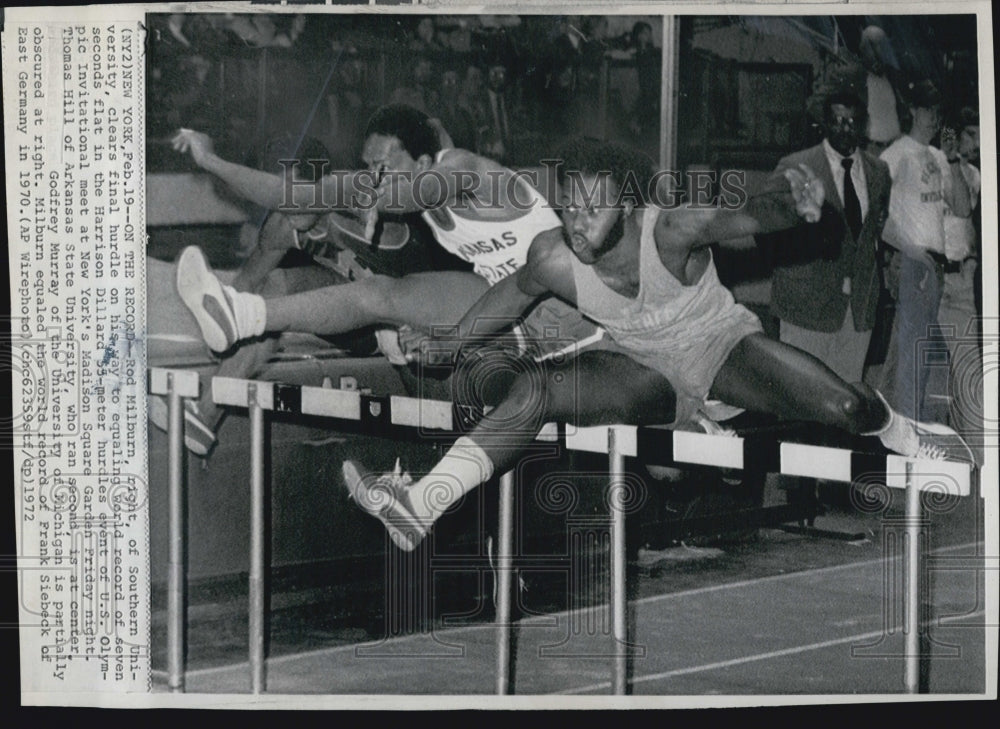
pixel 198 436
pixel 386 498
pixel 712 427
pixel 388 345
pixel 224 315
pixel 914 439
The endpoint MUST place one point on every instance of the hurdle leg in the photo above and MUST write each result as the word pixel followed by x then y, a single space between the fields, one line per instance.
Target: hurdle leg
pixel 504 582
pixel 175 515
pixel 256 586
pixel 619 605
pixel 912 605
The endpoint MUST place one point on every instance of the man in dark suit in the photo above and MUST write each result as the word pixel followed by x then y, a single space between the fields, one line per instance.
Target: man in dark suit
pixel 826 280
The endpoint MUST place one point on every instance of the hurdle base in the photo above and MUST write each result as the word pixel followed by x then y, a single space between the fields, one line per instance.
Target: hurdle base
pixel 811 531
pixel 716 526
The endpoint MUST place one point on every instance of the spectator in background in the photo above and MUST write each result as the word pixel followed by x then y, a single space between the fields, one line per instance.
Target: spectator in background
pixel 958 312
pixel 472 85
pixel 420 93
pixel 967 124
pixel 879 62
pixel 596 34
pixel 873 76
pixel 825 286
pixel 346 107
pixel 826 281
pixel 455 116
pixel 922 188
pixel 459 38
pixel 472 98
pixel 646 115
pixel 256 30
pixel 496 137
pixel 425 37
pixel 591 69
pixel 566 35
pixel 595 45
pixel 557 104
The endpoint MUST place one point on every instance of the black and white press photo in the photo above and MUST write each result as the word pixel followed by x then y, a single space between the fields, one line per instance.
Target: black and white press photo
pixel 562 356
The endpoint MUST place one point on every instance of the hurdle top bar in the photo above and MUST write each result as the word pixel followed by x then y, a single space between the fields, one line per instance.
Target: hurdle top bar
pixel 186 383
pixel 419 418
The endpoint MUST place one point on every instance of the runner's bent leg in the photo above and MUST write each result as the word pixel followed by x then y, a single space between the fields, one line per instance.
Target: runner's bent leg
pixel 597 387
pixel 766 375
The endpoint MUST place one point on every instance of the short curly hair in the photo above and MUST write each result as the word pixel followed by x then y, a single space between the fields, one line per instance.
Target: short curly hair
pixel 629 168
pixel 410 126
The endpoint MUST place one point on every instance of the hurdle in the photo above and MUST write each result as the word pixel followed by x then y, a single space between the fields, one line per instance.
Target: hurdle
pixel 176 385
pixel 657 447
pixel 399 416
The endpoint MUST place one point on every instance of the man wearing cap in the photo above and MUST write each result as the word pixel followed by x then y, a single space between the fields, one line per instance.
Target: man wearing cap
pixel 922 188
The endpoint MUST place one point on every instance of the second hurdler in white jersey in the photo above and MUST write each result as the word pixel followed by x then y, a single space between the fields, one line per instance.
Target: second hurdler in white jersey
pixel 495 248
pixel 400 144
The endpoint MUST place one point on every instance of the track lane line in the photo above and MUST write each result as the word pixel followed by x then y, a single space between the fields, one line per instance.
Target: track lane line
pixel 277 660
pixel 748 659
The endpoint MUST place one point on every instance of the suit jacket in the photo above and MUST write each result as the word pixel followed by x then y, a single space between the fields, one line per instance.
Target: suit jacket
pixel 812 260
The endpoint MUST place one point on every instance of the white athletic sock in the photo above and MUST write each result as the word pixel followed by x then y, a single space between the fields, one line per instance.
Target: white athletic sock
pixel 463 467
pixel 249 310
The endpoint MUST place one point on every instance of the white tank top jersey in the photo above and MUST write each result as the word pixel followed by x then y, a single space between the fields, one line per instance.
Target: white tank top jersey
pixel 496 249
pixel 683 332
pixel 666 316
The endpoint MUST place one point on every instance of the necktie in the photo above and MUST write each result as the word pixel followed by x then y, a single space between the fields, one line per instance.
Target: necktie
pixel 505 132
pixel 852 206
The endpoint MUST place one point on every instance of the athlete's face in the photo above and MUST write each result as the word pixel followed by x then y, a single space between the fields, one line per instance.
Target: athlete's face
pixel 384 155
pixel 592 223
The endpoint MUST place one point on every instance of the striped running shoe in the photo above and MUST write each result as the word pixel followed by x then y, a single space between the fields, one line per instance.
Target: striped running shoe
pixel 199 437
pixel 385 497
pixel 224 315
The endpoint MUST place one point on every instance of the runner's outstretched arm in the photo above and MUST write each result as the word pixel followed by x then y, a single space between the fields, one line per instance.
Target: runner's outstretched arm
pixel 546 272
pixel 458 179
pixel 788 199
pixel 337 190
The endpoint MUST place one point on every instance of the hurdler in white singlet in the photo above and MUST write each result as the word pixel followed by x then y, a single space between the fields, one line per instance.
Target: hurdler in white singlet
pixel 684 332
pixel 496 249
